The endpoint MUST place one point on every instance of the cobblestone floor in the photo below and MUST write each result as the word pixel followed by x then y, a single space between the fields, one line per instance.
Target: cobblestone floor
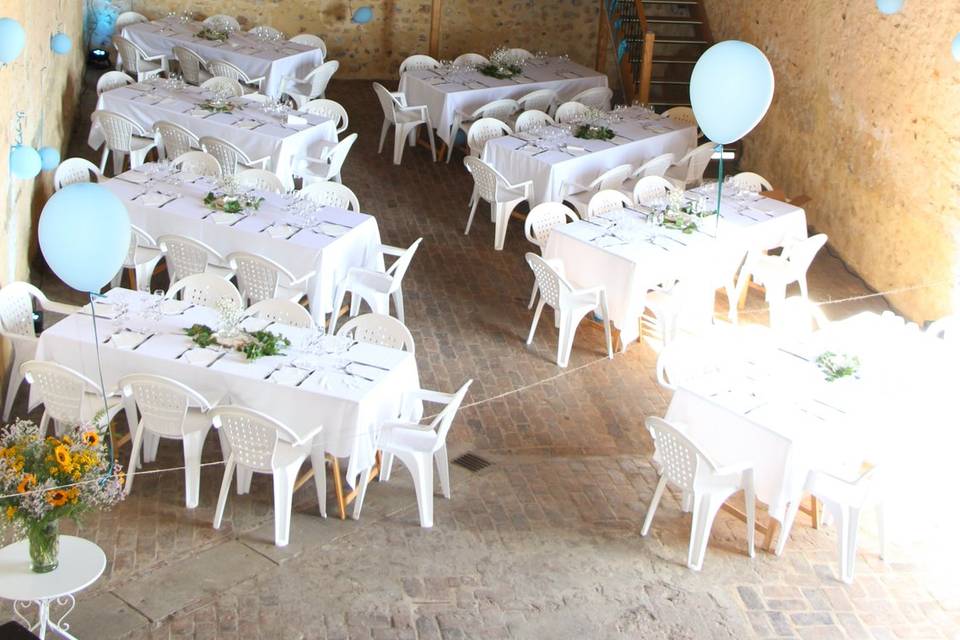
pixel 544 543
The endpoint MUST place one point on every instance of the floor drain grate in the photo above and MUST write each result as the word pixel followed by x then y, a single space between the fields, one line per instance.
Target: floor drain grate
pixel 472 462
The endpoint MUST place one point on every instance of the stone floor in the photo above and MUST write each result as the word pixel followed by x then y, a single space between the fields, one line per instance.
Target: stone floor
pixel 544 543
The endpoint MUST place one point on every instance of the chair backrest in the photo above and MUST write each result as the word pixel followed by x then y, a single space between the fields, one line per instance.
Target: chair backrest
pixel 596 97
pixel 174 140
pixel 113 80
pixel 443 420
pixel 749 181
pixel 681 460
pixel 191 63
pixel 553 287
pixel 801 253
pixel 543 219
pixel 186 256
pixel 655 166
pixel 696 161
pixel 470 60
pixel 328 109
pixel 540 100
pixel 265 31
pixel 224 69
pixel 260 179
pixel 282 311
pixel 375 328
pixel 388 102
pixel 482 130
pixel 681 114
pixel 605 201
pixel 222 21
pixel 257 276
pixel 60 388
pixel 331 194
pixel 499 109
pixel 199 163
pixel 16 308
pixel 127 18
pixel 253 437
pixel 570 112
pixel 531 119
pixel 311 40
pixel 205 290
pixel 947 328
pixel 485 177
pixel 611 178
pixel 338 155
pixel 117 129
pixel 650 189
pixel 162 402
pixel 227 154
pixel 401 264
pixel 221 84
pixel 138 238
pixel 319 78
pixel 74 170
pixel 519 53
pixel 418 61
pixel 131 55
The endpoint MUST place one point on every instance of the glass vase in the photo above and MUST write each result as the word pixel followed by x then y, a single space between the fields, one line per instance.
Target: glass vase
pixel 44 546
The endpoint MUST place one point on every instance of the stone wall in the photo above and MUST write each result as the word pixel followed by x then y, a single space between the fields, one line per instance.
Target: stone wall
pixel 866 120
pixel 41 84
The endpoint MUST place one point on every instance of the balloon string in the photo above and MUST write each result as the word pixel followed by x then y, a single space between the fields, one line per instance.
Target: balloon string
pixel 103 388
pixel 719 147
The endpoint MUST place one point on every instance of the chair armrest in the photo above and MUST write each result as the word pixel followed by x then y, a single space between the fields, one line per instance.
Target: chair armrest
pixel 569 188
pixel 59 307
pixel 400 97
pixel 302 279
pixel 426 395
pixel 160 56
pixel 733 469
pixel 402 424
pixel 391 250
pixel 309 436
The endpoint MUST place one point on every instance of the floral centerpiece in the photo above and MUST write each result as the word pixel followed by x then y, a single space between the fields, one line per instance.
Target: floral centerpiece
pixel 594 132
pixel 837 365
pixel 681 213
pixel 502 64
pixel 208 33
pixel 253 344
pixel 217 106
pixel 44 479
pixel 232 203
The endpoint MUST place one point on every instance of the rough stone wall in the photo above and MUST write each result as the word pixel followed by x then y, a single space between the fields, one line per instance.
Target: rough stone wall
pixel 866 120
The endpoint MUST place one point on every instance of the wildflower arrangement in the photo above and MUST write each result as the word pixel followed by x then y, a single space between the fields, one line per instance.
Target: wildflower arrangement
pixel 232 203
pixel 216 35
pixel 502 65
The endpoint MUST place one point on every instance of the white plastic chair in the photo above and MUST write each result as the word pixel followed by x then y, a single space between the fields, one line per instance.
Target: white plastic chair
pixel 540 100
pixel 596 97
pixel 501 109
pixel 418 61
pixel 420 446
pixel 16 325
pixel 224 69
pixel 192 65
pixel 604 202
pixel 127 18
pixel 281 311
pixel 331 194
pixel 650 189
pixel 376 328
pixel 230 156
pixel 205 290
pixel 113 80
pixel 69 398
pixel 263 279
pixel 198 163
pixel 261 180
pixel 946 328
pixel 482 130
pixel 845 499
pixel 74 170
pixel 521 54
pixel 170 410
pixel 532 119
pixel 540 223
pixel 142 258
pixel 404 120
pixel 688 300
pixel 314 85
pixel 570 112
pixel 748 181
pixel 503 197
pixel 654 167
pixel 173 140
pixel 580 195
pixel 122 137
pixel 255 446
pixel 570 306
pixel 684 115
pixel 222 21
pixel 686 467
pixel 137 63
pixel 688 171
pixel 470 60
pixel 311 40
pixel 328 109
pixel 376 288
pixel 328 166
pixel 186 256
pixel 265 31
pixel 776 272
pixel 221 84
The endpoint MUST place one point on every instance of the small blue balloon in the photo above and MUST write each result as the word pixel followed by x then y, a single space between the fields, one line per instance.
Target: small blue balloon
pixel 731 89
pixel 889 7
pixel 363 15
pixel 12 39
pixel 955 48
pixel 49 158
pixel 61 43
pixel 24 162
pixel 84 235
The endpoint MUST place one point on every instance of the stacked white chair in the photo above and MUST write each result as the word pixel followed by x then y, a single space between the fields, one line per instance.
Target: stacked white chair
pixel 198 163
pixel 328 166
pixel 579 195
pixel 748 181
pixel 650 189
pixel 685 466
pixel 500 109
pixel 224 69
pixel 540 223
pixel 688 171
pixel 310 40
pixel 776 272
pixel 483 130
pixel 380 329
pixel 503 197
pixel 193 67
pixel 173 140
pixel 122 137
pixel 263 279
pixel 604 202
pixel 282 311
pixel 259 444
pixel 404 120
pixel 470 60
pixel 113 80
pixel 532 119
pixel 596 97
pixel 654 167
pixel 142 258
pixel 331 194
pixel 260 179
pixel 186 256
pixel 570 305
pixel 314 85
pixel 137 63
pixel 69 398
pixel 16 325
pixel 417 62
pixel 221 84
pixel 159 407
pixel 374 287
pixel 74 170
pixel 570 112
pixel 230 156
pixel 540 100
pixel 328 109
pixel 205 290
pixel 222 21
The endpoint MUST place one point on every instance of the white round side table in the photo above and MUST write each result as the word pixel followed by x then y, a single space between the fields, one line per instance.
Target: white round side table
pixel 81 563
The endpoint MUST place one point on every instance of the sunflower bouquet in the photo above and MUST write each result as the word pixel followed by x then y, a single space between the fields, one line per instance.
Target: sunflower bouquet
pixel 44 479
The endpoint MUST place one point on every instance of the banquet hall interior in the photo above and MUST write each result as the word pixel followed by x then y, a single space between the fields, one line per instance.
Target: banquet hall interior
pixel 319 322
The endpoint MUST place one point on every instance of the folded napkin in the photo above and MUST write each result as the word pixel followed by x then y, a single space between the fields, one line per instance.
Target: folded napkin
pixel 255 324
pixel 136 177
pixel 198 112
pixel 127 339
pixel 296 120
pixel 201 357
pixel 570 147
pixel 281 230
pixel 257 97
pixel 288 375
pixel 174 307
pixel 333 230
pixel 103 309
pixel 221 217
pixel 247 124
pixel 155 199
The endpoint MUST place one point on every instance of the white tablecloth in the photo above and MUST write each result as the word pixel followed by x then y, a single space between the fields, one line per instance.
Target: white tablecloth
pixel 473 89
pixel 254 56
pixel 304 251
pixel 519 159
pixel 349 407
pixel 628 265
pixel 256 133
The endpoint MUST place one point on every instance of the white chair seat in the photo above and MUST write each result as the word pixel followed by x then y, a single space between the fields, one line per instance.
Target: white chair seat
pixel 772 269
pixel 407 439
pixel 289 293
pixel 143 255
pixel 223 272
pixel 93 404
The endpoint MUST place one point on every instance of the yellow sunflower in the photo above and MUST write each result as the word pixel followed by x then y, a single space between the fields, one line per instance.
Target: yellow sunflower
pixel 62 454
pixel 28 481
pixel 91 438
pixel 11 511
pixel 57 497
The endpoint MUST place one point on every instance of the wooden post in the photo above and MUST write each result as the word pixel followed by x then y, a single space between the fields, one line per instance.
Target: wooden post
pixel 603 39
pixel 436 9
pixel 646 66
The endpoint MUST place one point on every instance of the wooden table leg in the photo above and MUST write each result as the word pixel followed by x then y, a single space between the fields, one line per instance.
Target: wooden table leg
pixel 772 526
pixel 338 486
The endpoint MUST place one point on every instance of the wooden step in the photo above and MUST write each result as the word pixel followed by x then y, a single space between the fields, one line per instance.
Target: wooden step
pixel 672 20
pixel 676 40
pixel 666 81
pixel 682 2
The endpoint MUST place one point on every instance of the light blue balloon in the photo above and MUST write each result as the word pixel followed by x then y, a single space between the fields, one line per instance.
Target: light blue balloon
pixel 730 90
pixel 61 43
pixel 889 7
pixel 84 235
pixel 49 158
pixel 12 39
pixel 24 162
pixel 363 15
pixel 955 48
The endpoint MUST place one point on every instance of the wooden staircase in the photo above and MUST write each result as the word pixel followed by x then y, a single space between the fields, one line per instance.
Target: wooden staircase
pixel 656 42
